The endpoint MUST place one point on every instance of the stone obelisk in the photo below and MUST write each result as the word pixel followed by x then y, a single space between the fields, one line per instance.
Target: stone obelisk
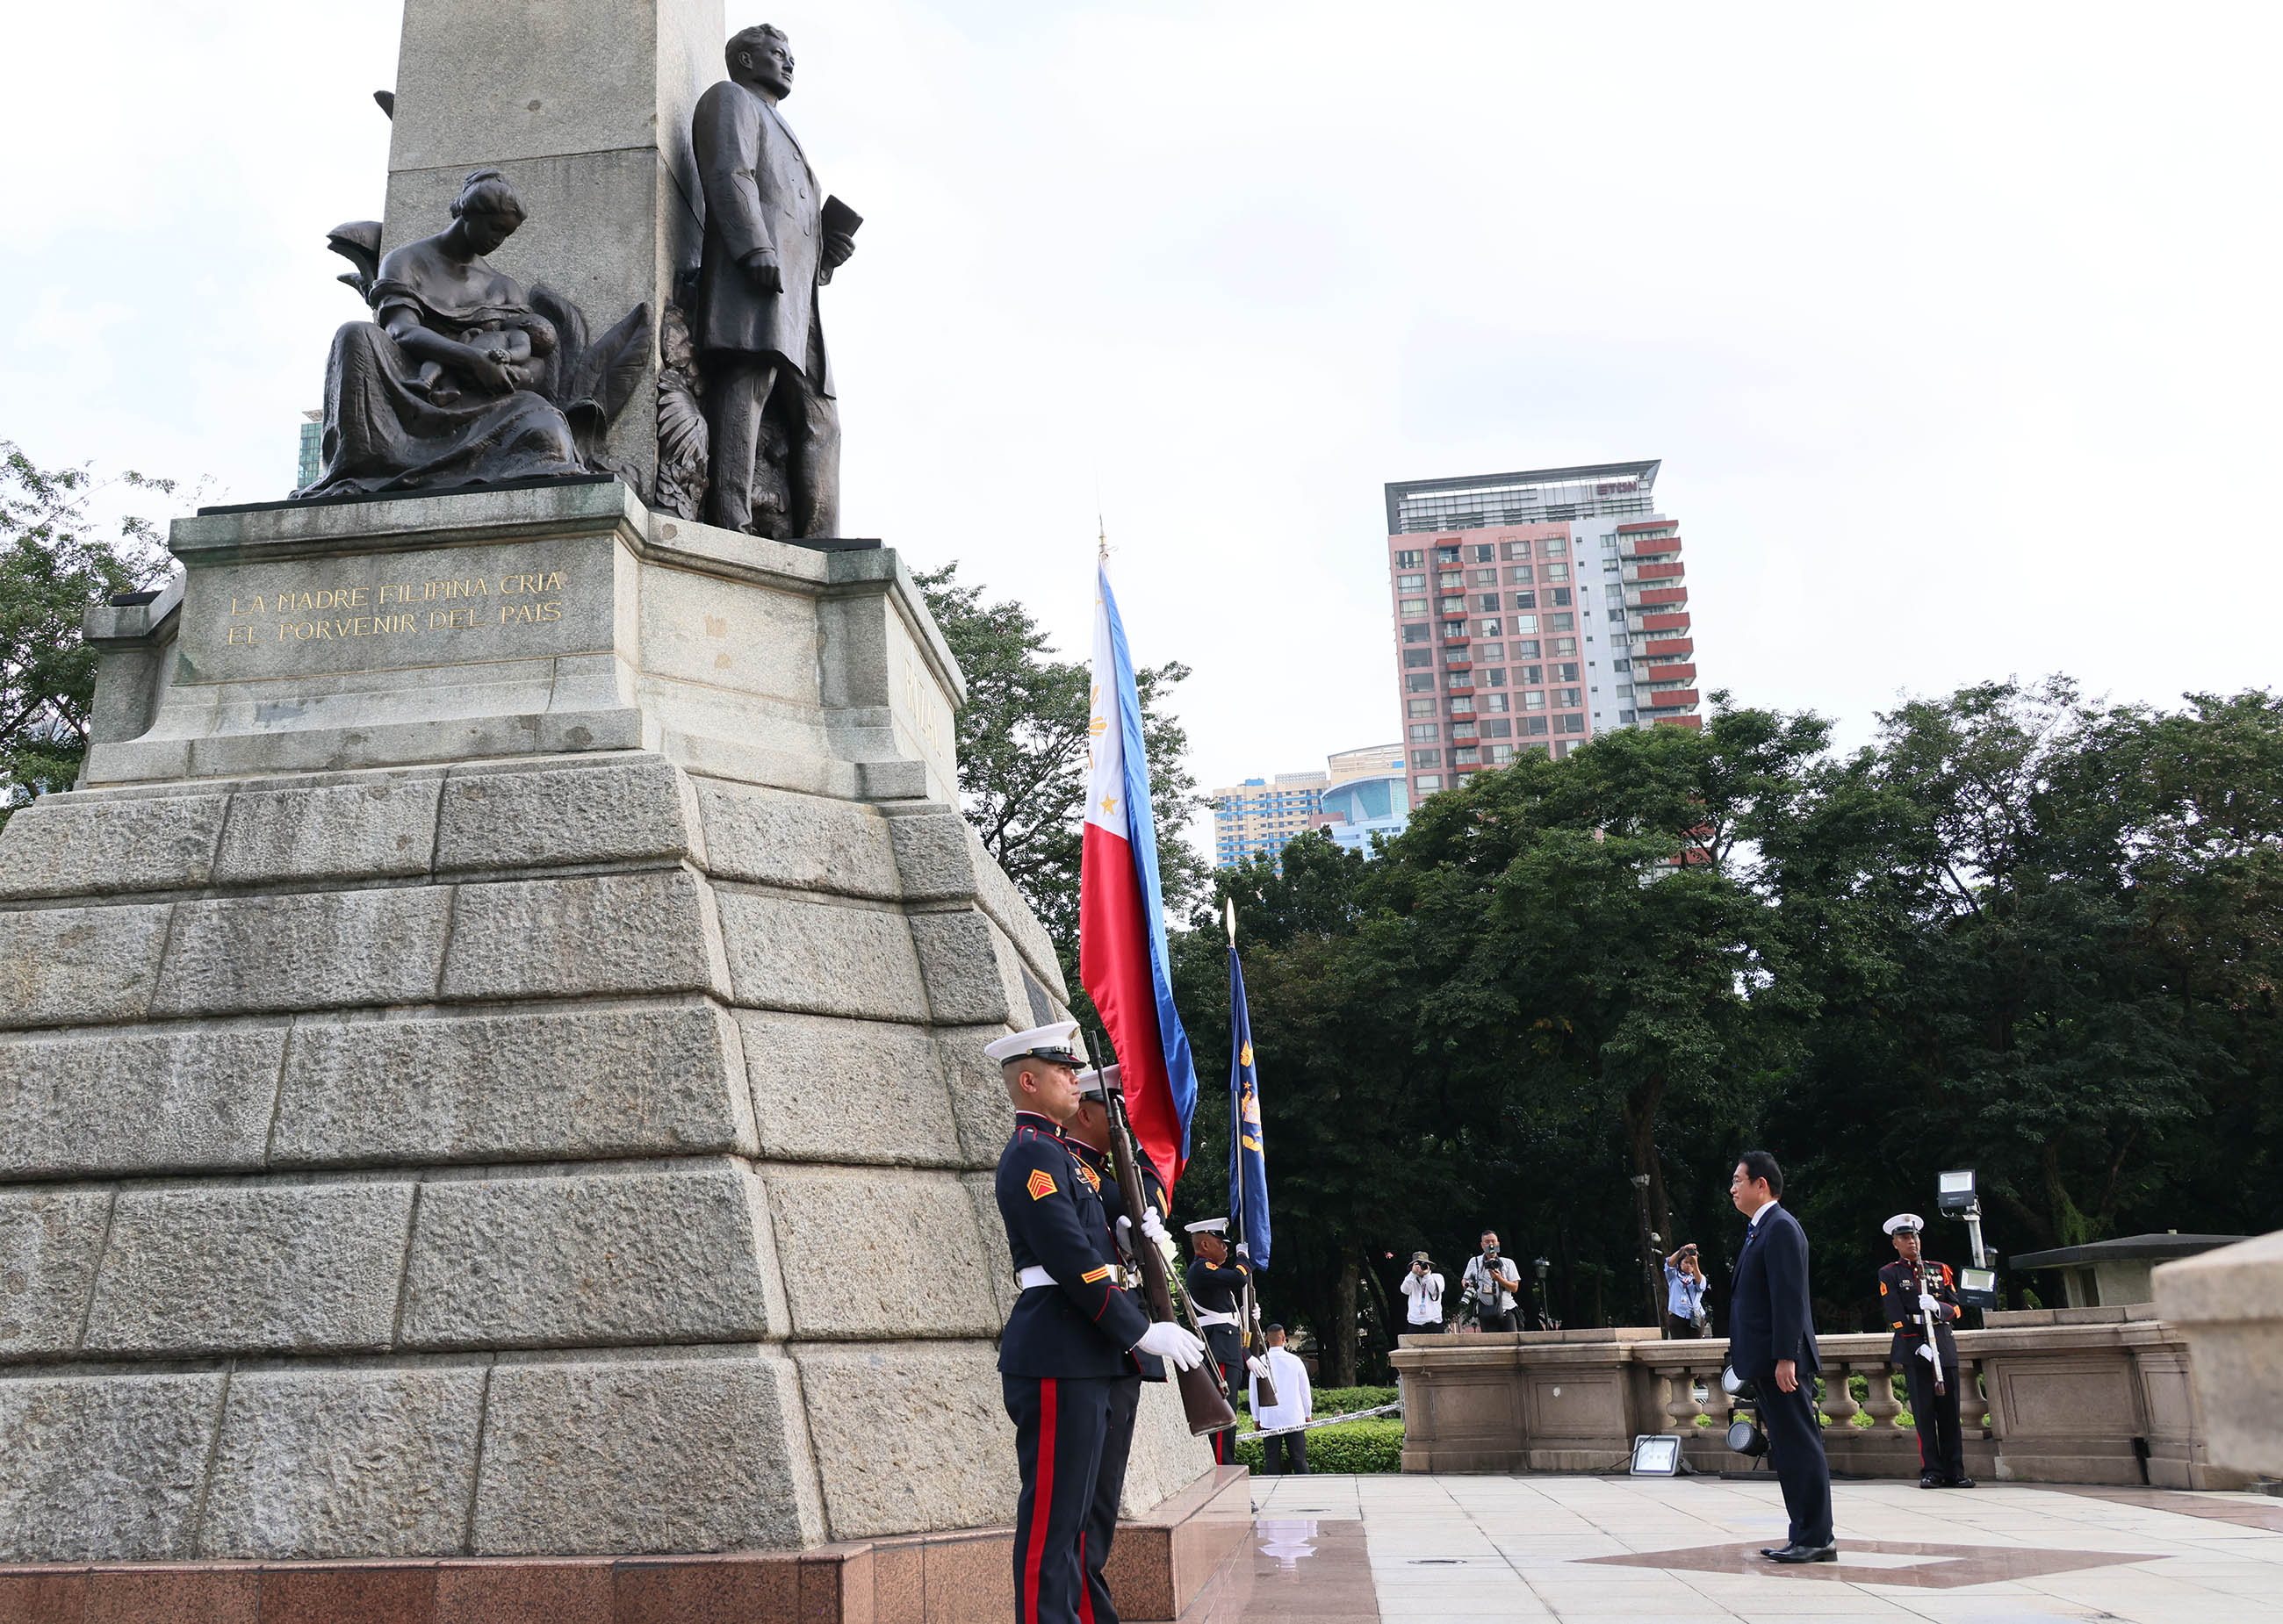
pixel 584 105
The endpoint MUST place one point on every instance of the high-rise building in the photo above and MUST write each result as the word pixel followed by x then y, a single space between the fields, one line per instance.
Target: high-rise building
pixel 1361 793
pixel 312 462
pixel 1533 611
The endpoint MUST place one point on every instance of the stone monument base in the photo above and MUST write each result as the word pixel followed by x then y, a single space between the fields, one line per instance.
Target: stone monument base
pixel 1161 1562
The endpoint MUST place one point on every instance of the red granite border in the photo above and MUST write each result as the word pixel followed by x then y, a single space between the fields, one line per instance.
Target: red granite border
pixel 1160 1563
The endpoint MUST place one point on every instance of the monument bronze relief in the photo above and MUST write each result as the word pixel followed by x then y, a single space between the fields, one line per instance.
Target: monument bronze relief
pixel 772 238
pixel 463 376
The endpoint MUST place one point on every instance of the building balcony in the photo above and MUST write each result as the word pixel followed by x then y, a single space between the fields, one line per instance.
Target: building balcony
pixel 1659 571
pixel 1658 622
pixel 1661 597
pixel 1686 718
pixel 1633 547
pixel 1666 648
pixel 1670 699
pixel 1666 673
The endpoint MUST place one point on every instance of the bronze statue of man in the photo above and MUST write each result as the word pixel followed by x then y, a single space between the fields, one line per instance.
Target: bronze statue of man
pixel 766 250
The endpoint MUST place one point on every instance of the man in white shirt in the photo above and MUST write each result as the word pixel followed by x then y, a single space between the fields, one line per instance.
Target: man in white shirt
pixel 1294 1404
pixel 1424 1287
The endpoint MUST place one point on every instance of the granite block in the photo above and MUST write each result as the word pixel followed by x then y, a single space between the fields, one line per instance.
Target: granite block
pixel 291 1268
pixel 999 1267
pixel 941 1456
pixel 932 858
pixel 511 1591
pixel 61 846
pixel 196 1096
pixel 174 1594
pixel 50 1241
pixel 79 967
pixel 563 815
pixel 821 959
pixel 827 1090
pixel 933 1275
pixel 735 1589
pixel 646 1456
pixel 978 1094
pixel 592 1260
pixel 801 842
pixel 51 1597
pixel 969 980
pixel 102 1468
pixel 348 1594
pixel 344 1463
pixel 607 934
pixel 323 950
pixel 383 824
pixel 567 1085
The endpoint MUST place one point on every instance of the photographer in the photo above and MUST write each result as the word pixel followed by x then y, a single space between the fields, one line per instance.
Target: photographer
pixel 1491 1282
pixel 1684 1296
pixel 1424 1287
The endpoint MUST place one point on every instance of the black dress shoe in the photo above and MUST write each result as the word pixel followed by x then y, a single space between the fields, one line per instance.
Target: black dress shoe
pixel 1804 1553
pixel 1927 1480
pixel 1958 1482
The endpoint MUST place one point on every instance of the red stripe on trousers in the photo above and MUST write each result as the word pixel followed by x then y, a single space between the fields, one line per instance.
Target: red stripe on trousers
pixel 1085 1585
pixel 1043 1498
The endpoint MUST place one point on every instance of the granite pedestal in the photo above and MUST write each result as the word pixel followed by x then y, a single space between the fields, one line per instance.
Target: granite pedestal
pixel 490 1057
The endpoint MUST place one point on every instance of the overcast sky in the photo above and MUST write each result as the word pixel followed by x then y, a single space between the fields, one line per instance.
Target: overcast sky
pixel 1954 326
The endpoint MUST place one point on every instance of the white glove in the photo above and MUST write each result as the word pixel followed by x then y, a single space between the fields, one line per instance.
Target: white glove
pixel 1244 1250
pixel 1927 1305
pixel 1153 1226
pixel 1257 1365
pixel 1926 1352
pixel 1174 1345
pixel 1125 1235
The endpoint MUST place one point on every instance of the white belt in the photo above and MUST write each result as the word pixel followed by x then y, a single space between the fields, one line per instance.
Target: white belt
pixel 1206 1318
pixel 1033 1275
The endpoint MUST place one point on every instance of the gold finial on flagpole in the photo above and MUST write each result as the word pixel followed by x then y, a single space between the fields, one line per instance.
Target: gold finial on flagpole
pixel 1102 529
pixel 1229 905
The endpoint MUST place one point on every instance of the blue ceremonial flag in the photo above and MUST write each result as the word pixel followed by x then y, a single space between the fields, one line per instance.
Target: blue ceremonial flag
pixel 1248 1170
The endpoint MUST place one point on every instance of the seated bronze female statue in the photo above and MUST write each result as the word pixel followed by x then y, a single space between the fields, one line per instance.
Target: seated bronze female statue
pixel 463 377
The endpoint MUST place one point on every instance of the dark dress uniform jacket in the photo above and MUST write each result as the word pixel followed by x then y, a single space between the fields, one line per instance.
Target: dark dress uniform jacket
pixel 1213 1289
pixel 760 193
pixel 1113 1207
pixel 1898 1298
pixel 1083 1324
pixel 1770 1319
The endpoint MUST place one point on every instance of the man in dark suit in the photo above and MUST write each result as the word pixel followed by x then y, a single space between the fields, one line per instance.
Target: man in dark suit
pixel 1772 1345
pixel 766 252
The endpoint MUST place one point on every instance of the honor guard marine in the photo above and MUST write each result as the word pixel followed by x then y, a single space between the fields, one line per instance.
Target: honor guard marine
pixel 1215 1281
pixel 1917 1295
pixel 1073 1333
pixel 1087 1135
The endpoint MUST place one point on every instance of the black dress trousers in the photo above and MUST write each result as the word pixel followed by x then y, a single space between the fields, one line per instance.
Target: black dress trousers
pixel 1060 1425
pixel 1109 1488
pixel 1942 1446
pixel 1795 1445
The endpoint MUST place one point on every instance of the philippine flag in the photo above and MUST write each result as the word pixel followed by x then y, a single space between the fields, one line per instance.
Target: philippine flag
pixel 1121 917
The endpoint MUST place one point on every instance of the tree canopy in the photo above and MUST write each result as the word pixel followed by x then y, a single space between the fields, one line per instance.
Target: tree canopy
pixel 56 560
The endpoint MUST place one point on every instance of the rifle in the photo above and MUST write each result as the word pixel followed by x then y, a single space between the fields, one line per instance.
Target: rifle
pixel 1204 1403
pixel 1254 1338
pixel 1919 1275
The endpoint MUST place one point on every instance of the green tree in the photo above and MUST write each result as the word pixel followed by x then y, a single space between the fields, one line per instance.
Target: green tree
pixel 55 563
pixel 1022 740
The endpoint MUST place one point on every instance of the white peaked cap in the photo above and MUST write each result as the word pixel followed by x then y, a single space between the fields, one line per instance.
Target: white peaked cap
pixel 1055 1042
pixel 1905 1220
pixel 1089 1082
pixel 1207 1226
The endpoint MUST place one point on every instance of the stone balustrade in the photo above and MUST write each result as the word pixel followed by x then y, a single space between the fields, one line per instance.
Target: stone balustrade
pixel 2055 1396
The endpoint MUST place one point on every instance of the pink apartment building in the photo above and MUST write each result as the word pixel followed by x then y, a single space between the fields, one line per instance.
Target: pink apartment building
pixel 1533 611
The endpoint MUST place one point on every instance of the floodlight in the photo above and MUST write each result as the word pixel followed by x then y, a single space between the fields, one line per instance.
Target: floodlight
pixel 1656 1454
pixel 1746 1438
pixel 1977 1288
pixel 1954 1194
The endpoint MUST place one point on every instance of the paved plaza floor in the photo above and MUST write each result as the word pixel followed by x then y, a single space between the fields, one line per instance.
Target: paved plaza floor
pixel 1653 1550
